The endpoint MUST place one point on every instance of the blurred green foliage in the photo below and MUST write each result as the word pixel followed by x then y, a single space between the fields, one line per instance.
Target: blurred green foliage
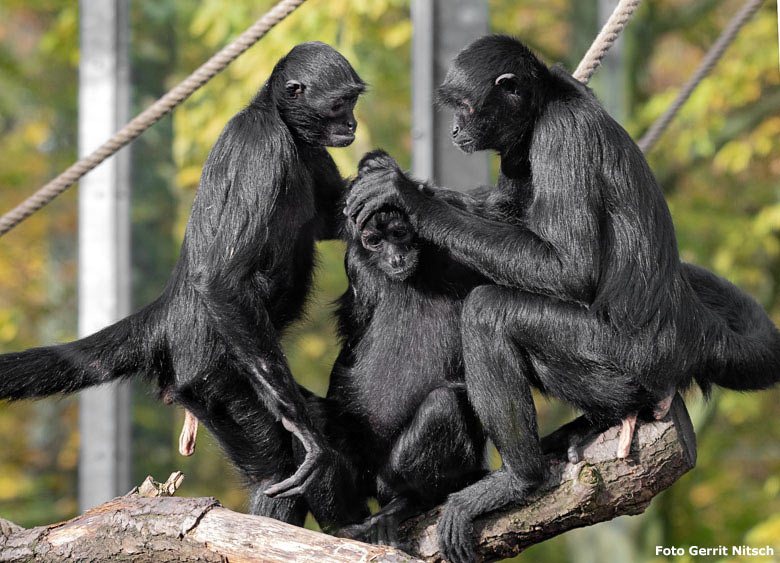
pixel 719 163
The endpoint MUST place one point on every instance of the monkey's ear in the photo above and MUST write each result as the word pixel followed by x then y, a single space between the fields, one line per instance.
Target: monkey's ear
pixel 508 82
pixel 294 88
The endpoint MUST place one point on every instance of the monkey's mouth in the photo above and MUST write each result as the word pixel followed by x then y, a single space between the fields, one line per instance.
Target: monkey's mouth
pixel 401 273
pixel 341 140
pixel 466 145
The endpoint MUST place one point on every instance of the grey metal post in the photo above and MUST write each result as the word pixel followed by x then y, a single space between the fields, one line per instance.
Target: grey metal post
pixel 441 29
pixel 104 242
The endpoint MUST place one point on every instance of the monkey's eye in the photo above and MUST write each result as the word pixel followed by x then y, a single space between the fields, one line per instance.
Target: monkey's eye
pixel 371 241
pixel 466 106
pixel 337 107
pixel 399 233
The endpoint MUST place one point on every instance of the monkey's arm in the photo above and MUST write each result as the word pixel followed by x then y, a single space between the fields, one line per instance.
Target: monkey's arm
pixel 329 192
pixel 472 201
pixel 508 254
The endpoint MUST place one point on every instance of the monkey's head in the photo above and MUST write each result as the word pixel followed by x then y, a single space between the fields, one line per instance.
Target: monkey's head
pixel 496 87
pixel 390 241
pixel 315 89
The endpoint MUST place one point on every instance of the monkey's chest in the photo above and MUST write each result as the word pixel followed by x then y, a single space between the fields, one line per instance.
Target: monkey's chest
pixel 409 350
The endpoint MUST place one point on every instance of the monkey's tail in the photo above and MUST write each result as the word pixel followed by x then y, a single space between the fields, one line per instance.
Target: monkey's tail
pixel 115 352
pixel 744 349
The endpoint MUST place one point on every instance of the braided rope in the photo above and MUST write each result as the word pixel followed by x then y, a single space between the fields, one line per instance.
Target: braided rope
pixel 604 40
pixel 149 116
pixel 748 9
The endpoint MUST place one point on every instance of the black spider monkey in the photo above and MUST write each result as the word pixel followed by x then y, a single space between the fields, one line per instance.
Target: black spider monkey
pixel 396 402
pixel 268 190
pixel 589 300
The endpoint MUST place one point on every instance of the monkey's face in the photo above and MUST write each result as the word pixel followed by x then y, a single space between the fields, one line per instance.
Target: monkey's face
pixel 390 240
pixel 340 122
pixel 321 115
pixel 493 87
pixel 318 92
pixel 485 120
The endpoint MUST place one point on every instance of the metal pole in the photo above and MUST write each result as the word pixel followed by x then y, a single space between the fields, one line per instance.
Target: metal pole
pixel 441 29
pixel 104 242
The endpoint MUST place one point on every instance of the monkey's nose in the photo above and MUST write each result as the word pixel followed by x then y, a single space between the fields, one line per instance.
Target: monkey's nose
pixel 455 131
pixel 397 261
pixel 352 126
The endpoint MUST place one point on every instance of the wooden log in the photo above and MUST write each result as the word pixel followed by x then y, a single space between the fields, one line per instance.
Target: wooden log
pixel 599 488
pixel 168 529
pixel 160 528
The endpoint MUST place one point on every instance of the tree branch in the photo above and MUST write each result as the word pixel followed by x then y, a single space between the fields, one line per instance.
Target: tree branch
pixel 199 529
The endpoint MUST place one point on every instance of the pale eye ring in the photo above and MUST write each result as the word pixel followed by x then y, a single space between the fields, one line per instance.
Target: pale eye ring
pixel 371 240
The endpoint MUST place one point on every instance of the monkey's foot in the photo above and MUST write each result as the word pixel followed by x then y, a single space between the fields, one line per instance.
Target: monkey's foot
pixel 300 481
pixel 572 438
pixel 379 529
pixel 456 542
pixel 382 528
pixel 626 436
pixel 189 434
pixel 662 408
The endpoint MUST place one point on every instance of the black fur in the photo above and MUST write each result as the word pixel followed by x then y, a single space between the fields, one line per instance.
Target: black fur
pixel 590 301
pixel 398 402
pixel 268 190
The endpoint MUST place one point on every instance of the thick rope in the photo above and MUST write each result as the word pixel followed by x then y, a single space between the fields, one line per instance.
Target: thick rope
pixel 748 9
pixel 604 40
pixel 149 116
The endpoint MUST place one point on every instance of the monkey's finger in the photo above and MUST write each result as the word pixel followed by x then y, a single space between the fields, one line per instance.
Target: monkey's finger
pixel 290 487
pixel 376 159
pixel 387 532
pixel 367 196
pixel 454 537
pixel 375 205
pixel 364 185
pixel 298 481
pixel 380 164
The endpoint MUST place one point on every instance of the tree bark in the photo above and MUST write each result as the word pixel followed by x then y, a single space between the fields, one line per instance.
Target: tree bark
pixel 162 528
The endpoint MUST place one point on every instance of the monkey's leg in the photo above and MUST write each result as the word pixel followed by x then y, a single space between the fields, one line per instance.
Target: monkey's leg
pixel 511 341
pixel 255 442
pixel 440 451
pixel 337 497
pixel 189 434
pixel 498 384
pixel 255 345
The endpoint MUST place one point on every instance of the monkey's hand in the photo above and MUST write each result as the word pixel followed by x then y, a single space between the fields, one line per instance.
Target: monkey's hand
pixel 380 183
pixel 315 459
pixel 377 160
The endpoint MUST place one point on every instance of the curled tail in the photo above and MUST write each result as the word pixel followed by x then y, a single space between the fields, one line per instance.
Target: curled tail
pixel 112 353
pixel 745 345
